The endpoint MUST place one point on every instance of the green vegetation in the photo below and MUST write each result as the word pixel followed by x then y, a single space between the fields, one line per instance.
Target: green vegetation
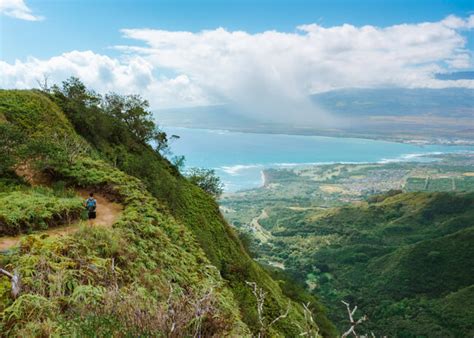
pixel 207 180
pixel 36 209
pixel 170 266
pixel 440 184
pixel 405 259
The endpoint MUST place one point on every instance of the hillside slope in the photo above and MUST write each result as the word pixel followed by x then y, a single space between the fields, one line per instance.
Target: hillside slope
pixel 162 254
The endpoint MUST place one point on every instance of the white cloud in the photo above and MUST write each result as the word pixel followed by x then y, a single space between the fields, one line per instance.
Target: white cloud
pixel 18 9
pixel 312 59
pixel 270 72
pixel 104 74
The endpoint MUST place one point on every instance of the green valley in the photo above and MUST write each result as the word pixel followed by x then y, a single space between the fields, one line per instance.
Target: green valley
pixel 394 239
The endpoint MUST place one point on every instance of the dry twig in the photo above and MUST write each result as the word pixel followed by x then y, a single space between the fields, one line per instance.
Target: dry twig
pixel 259 295
pixel 15 280
pixel 310 328
pixel 351 319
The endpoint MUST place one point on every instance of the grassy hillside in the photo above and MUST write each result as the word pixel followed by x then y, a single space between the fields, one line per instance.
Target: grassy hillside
pixel 431 267
pixel 162 254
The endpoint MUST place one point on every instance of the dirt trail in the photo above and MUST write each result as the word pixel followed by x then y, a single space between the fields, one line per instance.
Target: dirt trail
pixel 107 214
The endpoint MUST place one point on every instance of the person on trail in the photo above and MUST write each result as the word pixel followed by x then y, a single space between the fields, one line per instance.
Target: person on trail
pixel 91 205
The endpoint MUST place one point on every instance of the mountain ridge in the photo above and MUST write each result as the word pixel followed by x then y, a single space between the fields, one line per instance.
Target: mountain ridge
pixel 168 225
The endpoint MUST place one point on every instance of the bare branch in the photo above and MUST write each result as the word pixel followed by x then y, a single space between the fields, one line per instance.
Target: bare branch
pixel 310 328
pixel 283 315
pixel 6 273
pixel 201 307
pixel 114 273
pixel 354 310
pixel 351 319
pixel 43 84
pixel 259 295
pixel 15 280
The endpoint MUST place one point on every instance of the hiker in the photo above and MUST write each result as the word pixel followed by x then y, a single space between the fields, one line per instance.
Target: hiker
pixel 91 205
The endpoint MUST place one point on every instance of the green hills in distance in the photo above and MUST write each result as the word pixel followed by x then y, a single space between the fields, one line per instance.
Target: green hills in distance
pixel 403 256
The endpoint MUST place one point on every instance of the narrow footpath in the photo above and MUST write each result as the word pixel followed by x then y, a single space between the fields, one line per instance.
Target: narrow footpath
pixel 107 214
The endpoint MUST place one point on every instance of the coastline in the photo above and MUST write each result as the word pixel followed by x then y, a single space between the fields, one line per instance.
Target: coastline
pixel 240 165
pixel 407 158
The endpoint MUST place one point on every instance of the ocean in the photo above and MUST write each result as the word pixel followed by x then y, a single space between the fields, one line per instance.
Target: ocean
pixel 239 158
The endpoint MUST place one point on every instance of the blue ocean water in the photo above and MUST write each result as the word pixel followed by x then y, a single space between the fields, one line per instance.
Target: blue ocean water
pixel 239 158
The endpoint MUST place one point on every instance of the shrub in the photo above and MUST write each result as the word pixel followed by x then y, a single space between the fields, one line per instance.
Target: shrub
pixel 207 180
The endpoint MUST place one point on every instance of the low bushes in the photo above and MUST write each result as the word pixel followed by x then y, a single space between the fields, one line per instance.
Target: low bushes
pixel 27 210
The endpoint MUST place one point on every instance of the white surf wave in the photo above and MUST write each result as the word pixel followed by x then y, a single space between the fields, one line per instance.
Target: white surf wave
pixel 238 169
pixel 413 157
pixel 306 164
pixel 235 170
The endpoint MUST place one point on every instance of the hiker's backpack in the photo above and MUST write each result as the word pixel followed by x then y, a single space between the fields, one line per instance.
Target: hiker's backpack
pixel 91 204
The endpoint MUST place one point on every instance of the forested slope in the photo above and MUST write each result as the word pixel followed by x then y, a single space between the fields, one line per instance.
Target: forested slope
pixel 405 259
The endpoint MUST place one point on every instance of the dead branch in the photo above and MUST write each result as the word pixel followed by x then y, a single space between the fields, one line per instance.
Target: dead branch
pixel 114 274
pixel 15 280
pixel 283 315
pixel 351 319
pixel 44 83
pixel 202 307
pixel 310 328
pixel 169 305
pixel 259 295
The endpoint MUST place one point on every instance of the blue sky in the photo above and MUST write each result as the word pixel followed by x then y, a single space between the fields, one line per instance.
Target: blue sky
pixel 263 55
pixel 96 24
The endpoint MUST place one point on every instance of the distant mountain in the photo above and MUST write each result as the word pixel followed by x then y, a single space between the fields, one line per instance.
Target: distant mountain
pixel 433 115
pixel 447 102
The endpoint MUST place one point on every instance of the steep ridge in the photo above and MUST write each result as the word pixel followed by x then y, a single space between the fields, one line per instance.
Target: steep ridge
pixel 161 253
pixel 95 280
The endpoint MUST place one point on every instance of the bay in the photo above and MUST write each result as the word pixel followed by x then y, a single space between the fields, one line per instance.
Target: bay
pixel 239 158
